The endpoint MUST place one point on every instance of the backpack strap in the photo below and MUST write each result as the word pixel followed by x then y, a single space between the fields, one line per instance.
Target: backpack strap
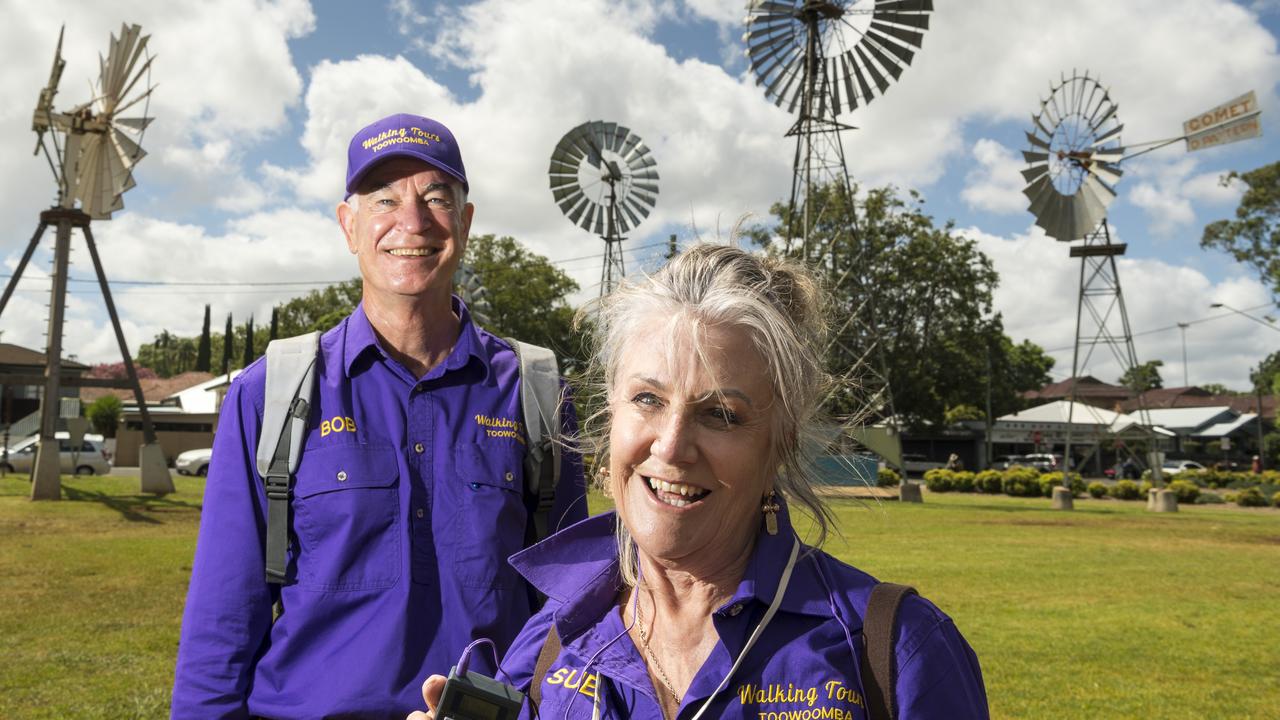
pixel 879 636
pixel 290 387
pixel 550 651
pixel 540 403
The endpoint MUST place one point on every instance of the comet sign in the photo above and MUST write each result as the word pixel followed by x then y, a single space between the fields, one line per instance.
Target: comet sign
pixel 1229 122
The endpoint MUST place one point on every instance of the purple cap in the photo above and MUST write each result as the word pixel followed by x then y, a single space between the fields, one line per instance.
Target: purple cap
pixel 403 135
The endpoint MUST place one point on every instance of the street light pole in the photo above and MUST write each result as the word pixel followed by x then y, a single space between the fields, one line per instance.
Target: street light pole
pixel 1257 381
pixel 1183 327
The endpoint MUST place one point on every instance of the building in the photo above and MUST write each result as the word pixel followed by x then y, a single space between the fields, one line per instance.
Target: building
pixel 1098 436
pixel 20 397
pixel 183 409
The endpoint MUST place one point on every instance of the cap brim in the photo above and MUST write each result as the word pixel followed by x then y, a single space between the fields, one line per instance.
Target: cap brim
pixel 354 183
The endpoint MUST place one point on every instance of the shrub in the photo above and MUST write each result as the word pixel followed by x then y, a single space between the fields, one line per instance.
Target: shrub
pixel 1050 480
pixel 1097 489
pixel 987 481
pixel 1126 490
pixel 1275 499
pixel 938 480
pixel 1185 490
pixel 104 414
pixel 1145 488
pixel 1021 482
pixel 1229 497
pixel 887 477
pixel 1250 497
pixel 1209 498
pixel 962 481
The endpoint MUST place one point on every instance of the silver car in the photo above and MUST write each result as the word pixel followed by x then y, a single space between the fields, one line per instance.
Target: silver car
pixel 193 462
pixel 88 459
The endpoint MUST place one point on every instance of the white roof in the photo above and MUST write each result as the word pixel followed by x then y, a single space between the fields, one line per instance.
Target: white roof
pixel 1190 418
pixel 202 397
pixel 1058 411
pixel 1226 428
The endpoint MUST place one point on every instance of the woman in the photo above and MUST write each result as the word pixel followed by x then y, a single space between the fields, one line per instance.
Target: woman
pixel 696 598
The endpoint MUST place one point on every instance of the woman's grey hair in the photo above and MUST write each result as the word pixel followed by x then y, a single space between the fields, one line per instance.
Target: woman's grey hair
pixel 781 306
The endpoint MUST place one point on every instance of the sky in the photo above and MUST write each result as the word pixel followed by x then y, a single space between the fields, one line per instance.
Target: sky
pixel 255 101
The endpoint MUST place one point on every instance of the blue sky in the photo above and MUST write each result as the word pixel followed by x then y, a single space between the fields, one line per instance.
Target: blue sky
pixel 255 102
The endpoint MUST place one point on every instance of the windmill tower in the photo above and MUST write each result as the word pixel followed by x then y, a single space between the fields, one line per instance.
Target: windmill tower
pixel 94 153
pixel 1073 165
pixel 605 180
pixel 819 59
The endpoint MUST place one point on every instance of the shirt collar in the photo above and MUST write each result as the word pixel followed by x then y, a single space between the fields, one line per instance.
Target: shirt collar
pixel 578 567
pixel 360 338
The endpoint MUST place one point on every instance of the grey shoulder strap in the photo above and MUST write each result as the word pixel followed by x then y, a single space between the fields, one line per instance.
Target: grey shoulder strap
pixel 290 386
pixel 540 403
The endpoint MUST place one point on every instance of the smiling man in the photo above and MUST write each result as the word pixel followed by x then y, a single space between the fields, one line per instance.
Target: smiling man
pixel 405 503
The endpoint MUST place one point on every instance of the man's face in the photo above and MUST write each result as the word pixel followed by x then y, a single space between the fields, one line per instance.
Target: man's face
pixel 406 230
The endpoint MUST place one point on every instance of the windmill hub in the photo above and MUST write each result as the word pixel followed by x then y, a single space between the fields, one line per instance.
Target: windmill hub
pixel 820 9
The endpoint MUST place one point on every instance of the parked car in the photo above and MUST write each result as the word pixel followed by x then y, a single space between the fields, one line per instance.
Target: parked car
pixel 1173 467
pixel 88 459
pixel 917 464
pixel 193 462
pixel 1004 462
pixel 1044 462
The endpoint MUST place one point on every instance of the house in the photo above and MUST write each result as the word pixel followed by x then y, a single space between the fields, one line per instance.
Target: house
pixel 1088 390
pixel 1185 397
pixel 183 409
pixel 1202 429
pixel 1095 433
pixel 21 384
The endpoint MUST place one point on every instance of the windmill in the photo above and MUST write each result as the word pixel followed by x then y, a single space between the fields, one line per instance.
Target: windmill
pixel 605 180
pixel 819 59
pixel 1073 165
pixel 95 149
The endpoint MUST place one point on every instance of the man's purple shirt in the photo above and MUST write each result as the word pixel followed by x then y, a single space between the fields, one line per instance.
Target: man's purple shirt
pixel 801 667
pixel 407 501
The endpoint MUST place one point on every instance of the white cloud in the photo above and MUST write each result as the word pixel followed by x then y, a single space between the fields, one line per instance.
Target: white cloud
pixel 1165 191
pixel 996 183
pixel 1038 293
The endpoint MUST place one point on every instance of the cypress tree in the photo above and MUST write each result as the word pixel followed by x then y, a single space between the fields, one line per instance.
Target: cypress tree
pixel 248 343
pixel 275 324
pixel 203 361
pixel 226 346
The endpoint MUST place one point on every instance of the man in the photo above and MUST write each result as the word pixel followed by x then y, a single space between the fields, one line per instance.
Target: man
pixel 409 494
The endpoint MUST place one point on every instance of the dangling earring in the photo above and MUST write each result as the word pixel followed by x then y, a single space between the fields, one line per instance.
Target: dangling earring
pixel 770 509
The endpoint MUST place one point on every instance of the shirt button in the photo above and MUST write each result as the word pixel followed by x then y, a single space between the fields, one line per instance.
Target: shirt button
pixel 508 477
pixel 735 609
pixel 418 447
pixel 342 476
pixel 420 513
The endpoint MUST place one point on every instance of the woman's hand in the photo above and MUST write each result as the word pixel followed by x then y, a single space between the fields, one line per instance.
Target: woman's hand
pixel 432 689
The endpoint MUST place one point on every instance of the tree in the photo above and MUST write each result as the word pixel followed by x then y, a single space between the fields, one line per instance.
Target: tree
pixel 104 414
pixel 203 357
pixel 117 371
pixel 1220 389
pixel 226 346
pixel 319 309
pixel 1253 237
pixel 275 324
pixel 1143 377
pixel 248 344
pixel 928 292
pixel 526 294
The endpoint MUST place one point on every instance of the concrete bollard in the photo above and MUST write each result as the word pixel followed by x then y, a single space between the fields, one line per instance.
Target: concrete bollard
pixel 1166 501
pixel 1062 499
pixel 1151 499
pixel 909 492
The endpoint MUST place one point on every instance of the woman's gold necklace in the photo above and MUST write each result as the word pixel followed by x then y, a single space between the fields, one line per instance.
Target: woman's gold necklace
pixel 644 640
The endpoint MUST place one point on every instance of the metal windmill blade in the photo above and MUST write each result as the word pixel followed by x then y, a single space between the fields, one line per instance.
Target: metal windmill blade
pixel 467 283
pixel 861 49
pixel 605 180
pixel 1073 157
pixel 598 165
pixel 108 150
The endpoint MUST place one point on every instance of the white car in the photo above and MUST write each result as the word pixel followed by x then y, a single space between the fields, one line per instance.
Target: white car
pixel 1173 467
pixel 193 462
pixel 917 464
pixel 88 459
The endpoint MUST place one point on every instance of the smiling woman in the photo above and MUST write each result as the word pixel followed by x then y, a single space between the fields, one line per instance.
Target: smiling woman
pixel 696 598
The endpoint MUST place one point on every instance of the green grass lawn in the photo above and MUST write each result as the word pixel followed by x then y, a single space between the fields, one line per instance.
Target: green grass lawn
pixel 1104 612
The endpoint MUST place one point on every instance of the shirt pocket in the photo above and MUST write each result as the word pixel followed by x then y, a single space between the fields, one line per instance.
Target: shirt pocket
pixel 346 518
pixel 491 526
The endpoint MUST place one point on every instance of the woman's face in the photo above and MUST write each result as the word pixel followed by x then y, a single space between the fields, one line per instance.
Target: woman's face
pixel 690 443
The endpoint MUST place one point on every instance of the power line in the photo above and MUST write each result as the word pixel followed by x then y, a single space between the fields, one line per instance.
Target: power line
pixel 1174 326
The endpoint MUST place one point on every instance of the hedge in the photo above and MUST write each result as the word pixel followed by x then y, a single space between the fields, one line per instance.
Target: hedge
pixel 1185 490
pixel 1097 489
pixel 1250 497
pixel 1125 490
pixel 887 477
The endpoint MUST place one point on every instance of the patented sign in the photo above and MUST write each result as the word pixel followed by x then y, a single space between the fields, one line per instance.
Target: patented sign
pixel 1229 122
